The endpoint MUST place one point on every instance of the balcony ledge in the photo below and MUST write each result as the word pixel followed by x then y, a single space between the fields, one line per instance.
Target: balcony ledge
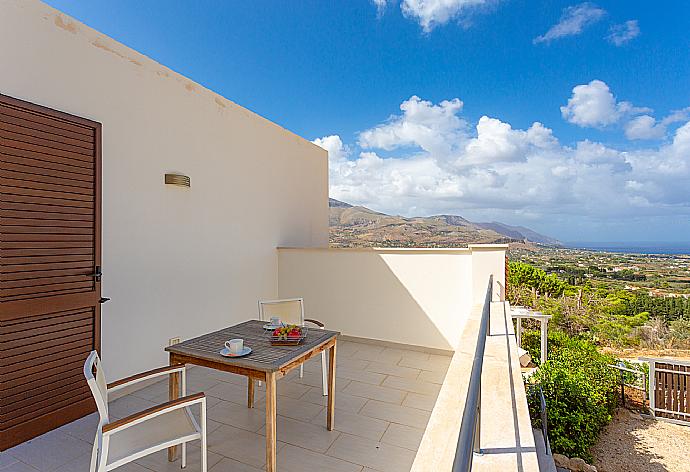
pixel 507 441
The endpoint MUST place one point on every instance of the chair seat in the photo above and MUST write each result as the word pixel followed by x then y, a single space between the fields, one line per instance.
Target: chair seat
pixel 150 436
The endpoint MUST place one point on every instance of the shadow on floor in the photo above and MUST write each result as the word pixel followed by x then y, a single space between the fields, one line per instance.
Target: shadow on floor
pixel 629 443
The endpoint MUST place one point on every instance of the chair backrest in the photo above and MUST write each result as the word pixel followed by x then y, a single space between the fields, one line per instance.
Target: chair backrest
pixel 98 385
pixel 289 310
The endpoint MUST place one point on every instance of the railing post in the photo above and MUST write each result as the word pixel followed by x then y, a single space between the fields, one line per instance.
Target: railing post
pixel 476 440
pixel 544 339
pixel 652 388
pixel 519 332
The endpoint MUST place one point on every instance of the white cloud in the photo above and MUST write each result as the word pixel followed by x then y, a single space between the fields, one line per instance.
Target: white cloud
pixel 593 105
pixel 380 6
pixel 647 127
pixel 624 33
pixel 433 128
pixel 496 171
pixel 432 13
pixel 644 127
pixel 497 141
pixel 573 20
pixel 337 151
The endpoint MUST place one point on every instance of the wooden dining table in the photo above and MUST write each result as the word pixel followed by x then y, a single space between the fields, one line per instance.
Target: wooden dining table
pixel 266 363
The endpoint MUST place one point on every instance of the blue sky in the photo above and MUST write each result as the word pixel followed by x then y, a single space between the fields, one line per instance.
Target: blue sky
pixel 610 160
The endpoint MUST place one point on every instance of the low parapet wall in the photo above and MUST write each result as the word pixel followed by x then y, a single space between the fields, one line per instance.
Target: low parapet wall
pixel 506 441
pixel 419 297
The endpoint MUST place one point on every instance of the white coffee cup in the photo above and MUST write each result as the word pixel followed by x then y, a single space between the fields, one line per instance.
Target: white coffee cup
pixel 275 321
pixel 235 346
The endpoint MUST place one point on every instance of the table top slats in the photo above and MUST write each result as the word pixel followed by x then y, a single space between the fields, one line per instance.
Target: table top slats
pixel 264 356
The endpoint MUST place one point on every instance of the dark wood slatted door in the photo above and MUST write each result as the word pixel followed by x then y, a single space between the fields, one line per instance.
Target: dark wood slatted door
pixel 50 251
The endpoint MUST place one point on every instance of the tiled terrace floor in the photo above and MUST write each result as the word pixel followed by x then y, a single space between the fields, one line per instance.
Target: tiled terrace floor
pixel 383 402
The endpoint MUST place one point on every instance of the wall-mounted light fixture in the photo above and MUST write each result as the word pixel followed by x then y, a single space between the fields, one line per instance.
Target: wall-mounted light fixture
pixel 177 179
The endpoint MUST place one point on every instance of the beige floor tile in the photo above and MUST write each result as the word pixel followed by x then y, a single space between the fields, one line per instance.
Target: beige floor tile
pixel 6 460
pixel 238 444
pixel 369 352
pixel 50 451
pixel 291 389
pixel 374 392
pixel 411 385
pixel 82 464
pixel 239 416
pixel 386 356
pixel 357 425
pixel 392 369
pixel 159 461
pixel 347 348
pixel 295 409
pixel 435 363
pixel 396 414
pixel 230 465
pixel 296 459
pixel 351 363
pixel 417 355
pixel 16 466
pixel 311 379
pixel 314 437
pixel 359 375
pixel 233 393
pixel 314 364
pixel 377 455
pixel 422 402
pixel 403 436
pixel 432 377
pixel 84 428
pixel 343 401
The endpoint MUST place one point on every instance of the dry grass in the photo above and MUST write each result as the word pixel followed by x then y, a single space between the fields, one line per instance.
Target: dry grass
pixel 632 443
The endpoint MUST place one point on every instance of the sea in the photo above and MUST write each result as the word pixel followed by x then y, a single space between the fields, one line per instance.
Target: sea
pixel 669 248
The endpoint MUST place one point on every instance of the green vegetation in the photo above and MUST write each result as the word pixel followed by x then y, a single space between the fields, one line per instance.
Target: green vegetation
pixel 580 391
pixel 605 315
pixel 589 309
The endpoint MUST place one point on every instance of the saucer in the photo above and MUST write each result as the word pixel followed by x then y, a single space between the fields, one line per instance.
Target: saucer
pixel 225 352
pixel 270 327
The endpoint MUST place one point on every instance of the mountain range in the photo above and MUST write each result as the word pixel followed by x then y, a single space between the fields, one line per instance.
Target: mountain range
pixel 358 226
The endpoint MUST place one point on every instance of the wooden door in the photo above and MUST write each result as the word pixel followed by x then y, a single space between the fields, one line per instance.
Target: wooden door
pixel 671 390
pixel 50 253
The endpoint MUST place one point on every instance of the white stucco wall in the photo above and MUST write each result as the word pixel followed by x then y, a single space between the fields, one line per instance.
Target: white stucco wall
pixel 411 296
pixel 176 262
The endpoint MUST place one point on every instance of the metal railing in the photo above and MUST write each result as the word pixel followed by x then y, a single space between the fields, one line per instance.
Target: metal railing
pixel 544 421
pixel 622 369
pixel 468 440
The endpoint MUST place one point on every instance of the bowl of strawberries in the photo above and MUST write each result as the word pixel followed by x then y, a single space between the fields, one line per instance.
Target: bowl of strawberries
pixel 288 335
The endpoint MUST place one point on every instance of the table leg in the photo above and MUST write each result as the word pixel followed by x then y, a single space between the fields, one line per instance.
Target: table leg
pixel 173 393
pixel 250 392
pixel 331 387
pixel 271 422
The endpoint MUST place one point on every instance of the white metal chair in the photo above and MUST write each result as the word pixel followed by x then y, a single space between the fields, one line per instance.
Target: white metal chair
pixel 291 311
pixel 125 440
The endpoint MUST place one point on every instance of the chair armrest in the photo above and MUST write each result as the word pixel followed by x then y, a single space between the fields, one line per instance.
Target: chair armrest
pixel 149 413
pixel 118 384
pixel 316 322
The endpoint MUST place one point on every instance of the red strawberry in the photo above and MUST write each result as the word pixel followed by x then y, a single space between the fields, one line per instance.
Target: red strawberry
pixel 294 333
pixel 276 332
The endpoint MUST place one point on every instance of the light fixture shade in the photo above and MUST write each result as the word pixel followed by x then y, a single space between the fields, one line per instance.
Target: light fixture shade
pixel 177 179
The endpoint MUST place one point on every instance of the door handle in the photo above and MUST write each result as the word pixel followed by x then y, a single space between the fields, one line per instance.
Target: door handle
pixel 97 274
pixel 103 300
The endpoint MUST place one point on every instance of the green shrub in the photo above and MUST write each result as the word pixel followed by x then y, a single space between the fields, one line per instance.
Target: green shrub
pixel 581 392
pixel 680 328
pixel 557 341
